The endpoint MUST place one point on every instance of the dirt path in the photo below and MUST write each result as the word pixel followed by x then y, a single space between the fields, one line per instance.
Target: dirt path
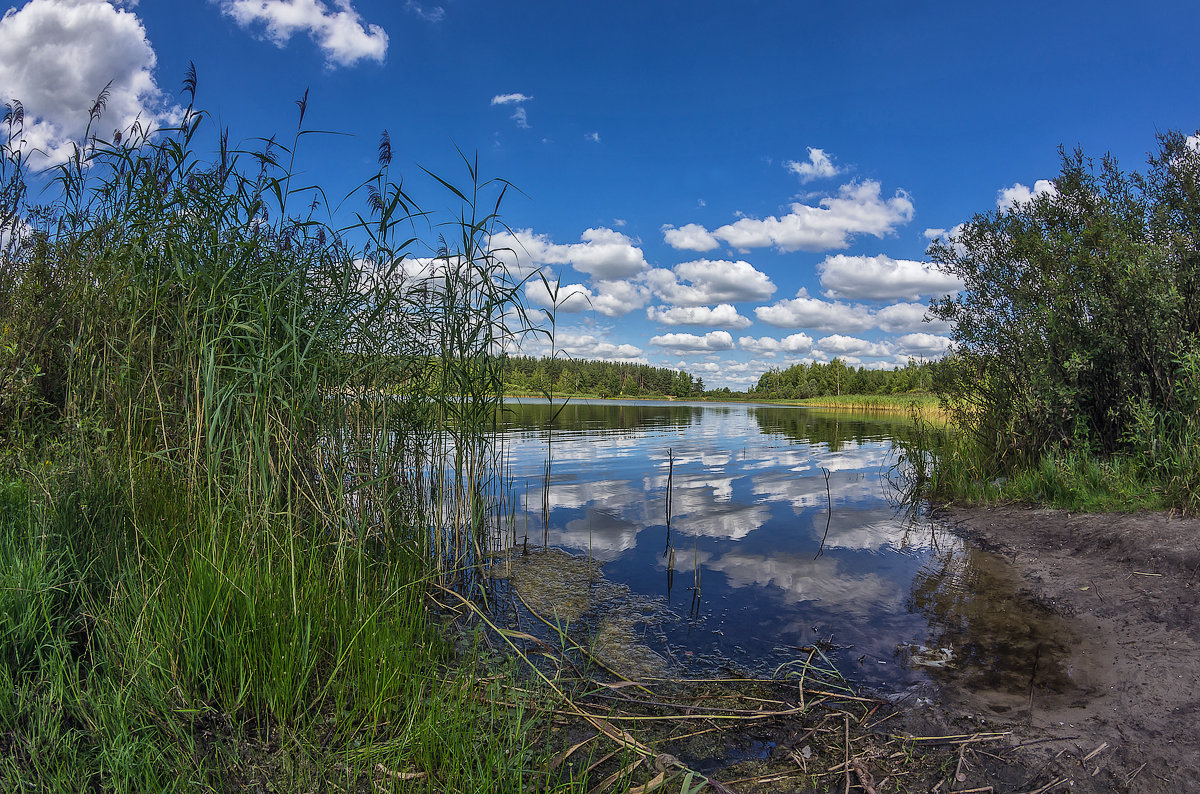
pixel 1117 706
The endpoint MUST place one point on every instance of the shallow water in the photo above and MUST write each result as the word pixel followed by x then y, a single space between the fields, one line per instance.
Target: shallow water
pixel 785 559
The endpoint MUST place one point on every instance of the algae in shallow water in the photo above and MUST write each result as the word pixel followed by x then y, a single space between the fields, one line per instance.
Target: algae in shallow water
pixel 555 584
pixel 571 591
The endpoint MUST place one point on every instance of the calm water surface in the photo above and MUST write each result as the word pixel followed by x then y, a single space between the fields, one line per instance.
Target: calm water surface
pixel 784 562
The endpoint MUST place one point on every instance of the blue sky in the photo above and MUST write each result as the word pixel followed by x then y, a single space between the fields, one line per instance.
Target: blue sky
pixel 724 187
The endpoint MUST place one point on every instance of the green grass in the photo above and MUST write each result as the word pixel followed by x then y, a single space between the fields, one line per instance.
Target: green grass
pixel 147 646
pixel 1084 483
pixel 921 404
pixel 216 541
pixel 950 466
pixel 874 402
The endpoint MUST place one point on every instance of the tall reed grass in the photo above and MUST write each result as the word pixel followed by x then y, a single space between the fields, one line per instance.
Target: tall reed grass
pixel 241 439
pixel 927 403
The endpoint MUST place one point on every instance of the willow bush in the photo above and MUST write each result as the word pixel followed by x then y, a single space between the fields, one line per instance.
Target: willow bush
pixel 1078 330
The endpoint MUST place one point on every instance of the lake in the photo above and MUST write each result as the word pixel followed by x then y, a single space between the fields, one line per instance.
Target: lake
pixel 787 519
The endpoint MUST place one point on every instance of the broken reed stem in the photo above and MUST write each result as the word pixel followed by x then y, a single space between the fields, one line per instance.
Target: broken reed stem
pixel 847 721
pixel 828 514
pixel 962 738
pixel 803 673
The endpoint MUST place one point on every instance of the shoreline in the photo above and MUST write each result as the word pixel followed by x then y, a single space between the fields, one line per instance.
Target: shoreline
pixel 1125 587
pixel 870 403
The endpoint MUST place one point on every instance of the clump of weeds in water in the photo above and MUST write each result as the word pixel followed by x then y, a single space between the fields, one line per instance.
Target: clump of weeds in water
pixel 240 445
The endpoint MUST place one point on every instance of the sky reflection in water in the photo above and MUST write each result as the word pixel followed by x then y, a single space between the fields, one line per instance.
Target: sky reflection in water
pixel 749 505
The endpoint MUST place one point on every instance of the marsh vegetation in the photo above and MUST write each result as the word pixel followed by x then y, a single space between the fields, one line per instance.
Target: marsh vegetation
pixel 242 437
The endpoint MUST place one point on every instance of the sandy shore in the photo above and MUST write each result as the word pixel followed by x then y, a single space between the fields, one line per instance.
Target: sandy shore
pixel 1117 706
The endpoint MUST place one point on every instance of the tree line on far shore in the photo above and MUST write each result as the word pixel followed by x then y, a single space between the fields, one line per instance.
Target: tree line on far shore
pixel 568 376
pixel 529 375
pixel 803 381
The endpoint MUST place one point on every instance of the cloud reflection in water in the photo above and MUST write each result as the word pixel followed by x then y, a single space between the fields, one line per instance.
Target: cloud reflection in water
pixel 749 506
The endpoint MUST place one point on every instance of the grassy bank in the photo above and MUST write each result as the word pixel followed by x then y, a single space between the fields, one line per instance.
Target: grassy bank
pixel 923 403
pixel 951 466
pixel 154 643
pixel 216 545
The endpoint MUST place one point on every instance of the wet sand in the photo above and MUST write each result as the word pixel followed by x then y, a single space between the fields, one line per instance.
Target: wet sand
pixel 1110 697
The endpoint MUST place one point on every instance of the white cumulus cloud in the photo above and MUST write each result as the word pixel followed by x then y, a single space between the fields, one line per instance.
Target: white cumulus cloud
pixel 337 30
pixel 858 208
pixel 883 278
pixel 618 297
pixel 567 298
pixel 692 237
pixel 806 312
pixel 851 345
pixel 1009 197
pixel 769 346
pixel 604 253
pixel 922 345
pixel 723 316
pixel 582 345
pixel 711 342
pixel 708 281
pixel 580 342
pixel 56 56
pixel 908 317
pixel 609 298
pixel 819 166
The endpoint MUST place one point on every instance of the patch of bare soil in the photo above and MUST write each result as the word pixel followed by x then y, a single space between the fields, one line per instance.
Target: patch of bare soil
pixel 1112 697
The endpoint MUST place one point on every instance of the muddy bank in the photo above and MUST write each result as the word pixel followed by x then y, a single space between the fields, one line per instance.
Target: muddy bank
pixel 1063 655
pixel 1112 701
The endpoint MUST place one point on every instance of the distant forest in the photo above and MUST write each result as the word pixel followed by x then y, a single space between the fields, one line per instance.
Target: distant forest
pixel 528 375
pixel 801 381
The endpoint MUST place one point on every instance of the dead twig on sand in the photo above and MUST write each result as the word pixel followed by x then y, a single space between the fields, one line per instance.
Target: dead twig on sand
pixel 864 776
pixel 1049 786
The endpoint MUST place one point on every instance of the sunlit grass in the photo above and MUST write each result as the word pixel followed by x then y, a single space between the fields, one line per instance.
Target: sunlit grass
pixel 951 466
pixel 240 441
pixel 146 647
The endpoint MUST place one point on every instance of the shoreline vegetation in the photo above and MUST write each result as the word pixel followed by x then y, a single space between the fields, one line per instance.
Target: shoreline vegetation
pixel 224 566
pixel 924 403
pixel 216 550
pixel 1074 381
